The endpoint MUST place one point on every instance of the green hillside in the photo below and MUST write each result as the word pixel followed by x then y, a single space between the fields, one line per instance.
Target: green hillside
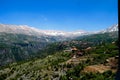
pixel 55 66
pixel 98 62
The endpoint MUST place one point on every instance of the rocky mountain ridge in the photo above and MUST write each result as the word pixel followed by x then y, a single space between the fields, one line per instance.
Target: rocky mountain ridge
pixel 24 29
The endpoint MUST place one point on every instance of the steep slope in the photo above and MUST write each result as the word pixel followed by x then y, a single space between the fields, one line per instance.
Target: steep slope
pixel 19 47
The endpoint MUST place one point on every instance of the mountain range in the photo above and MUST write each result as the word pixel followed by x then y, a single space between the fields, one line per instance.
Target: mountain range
pixel 27 30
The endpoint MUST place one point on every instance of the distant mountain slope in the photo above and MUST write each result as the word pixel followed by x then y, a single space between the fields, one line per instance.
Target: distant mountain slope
pixel 20 29
pixel 24 29
pixel 100 37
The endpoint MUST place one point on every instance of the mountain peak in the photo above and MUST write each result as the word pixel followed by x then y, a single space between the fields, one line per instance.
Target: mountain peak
pixel 110 29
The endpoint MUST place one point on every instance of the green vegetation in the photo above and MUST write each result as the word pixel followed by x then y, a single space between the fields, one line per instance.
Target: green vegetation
pixel 108 75
pixel 54 66
pixel 52 62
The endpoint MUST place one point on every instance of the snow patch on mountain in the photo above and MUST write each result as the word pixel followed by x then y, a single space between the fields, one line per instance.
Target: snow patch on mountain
pixel 24 29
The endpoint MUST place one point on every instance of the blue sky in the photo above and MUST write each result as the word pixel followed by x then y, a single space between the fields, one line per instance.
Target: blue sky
pixel 66 15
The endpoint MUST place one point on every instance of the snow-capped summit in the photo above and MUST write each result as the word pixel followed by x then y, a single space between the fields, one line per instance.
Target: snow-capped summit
pixel 24 29
pixel 111 29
